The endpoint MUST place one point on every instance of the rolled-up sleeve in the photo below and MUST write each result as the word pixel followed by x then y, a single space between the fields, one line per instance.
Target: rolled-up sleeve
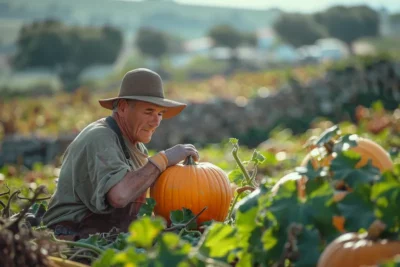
pixel 106 167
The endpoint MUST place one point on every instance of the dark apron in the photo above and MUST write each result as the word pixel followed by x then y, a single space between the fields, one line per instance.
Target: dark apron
pixel 93 223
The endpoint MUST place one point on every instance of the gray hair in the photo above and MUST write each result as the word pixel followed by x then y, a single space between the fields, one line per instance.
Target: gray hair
pixel 115 105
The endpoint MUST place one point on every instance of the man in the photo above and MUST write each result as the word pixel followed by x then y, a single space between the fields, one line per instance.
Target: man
pixel 106 170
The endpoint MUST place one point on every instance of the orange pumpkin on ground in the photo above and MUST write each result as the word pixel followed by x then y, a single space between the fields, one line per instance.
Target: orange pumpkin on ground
pixel 193 186
pixel 356 250
pixel 368 149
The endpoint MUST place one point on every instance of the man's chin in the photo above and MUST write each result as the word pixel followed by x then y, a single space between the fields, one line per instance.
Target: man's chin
pixel 146 140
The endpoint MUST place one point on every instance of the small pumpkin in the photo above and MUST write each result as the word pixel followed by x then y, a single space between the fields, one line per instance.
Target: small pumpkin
pixel 193 186
pixel 368 150
pixel 356 250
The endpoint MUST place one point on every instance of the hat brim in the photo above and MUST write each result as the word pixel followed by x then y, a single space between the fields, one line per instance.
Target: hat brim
pixel 173 107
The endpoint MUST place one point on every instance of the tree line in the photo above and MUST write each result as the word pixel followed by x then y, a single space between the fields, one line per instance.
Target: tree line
pixel 70 49
pixel 344 23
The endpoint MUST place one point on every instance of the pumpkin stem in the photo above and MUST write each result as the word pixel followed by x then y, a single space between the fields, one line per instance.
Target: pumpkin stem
pixel 189 161
pixel 375 230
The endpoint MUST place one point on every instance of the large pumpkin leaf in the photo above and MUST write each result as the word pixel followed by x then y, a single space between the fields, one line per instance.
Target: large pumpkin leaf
pixel 219 240
pixel 386 194
pixel 286 207
pixel 236 176
pixel 357 209
pixel 343 168
pixel 145 230
pixel 322 209
pixel 106 259
pixel 308 242
pixel 128 256
pixel 181 217
pixel 147 208
pixel 171 251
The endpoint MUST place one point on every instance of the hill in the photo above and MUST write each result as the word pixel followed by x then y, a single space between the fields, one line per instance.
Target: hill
pixel 187 21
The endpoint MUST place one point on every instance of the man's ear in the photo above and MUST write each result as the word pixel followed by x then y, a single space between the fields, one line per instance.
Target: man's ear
pixel 122 105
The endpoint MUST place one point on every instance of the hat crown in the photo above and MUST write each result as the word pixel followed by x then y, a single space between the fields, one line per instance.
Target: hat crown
pixel 141 82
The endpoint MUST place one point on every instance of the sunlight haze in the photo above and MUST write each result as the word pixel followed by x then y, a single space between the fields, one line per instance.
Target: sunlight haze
pixel 295 6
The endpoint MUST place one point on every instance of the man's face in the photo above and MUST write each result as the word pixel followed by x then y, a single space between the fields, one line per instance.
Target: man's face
pixel 142 119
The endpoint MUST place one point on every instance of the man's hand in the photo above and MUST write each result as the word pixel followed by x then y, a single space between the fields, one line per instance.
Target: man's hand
pixel 179 152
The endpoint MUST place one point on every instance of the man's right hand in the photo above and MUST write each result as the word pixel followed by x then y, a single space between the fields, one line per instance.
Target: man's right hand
pixel 179 152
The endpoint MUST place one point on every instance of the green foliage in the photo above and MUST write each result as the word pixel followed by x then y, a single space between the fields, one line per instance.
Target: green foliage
pixel 298 29
pixel 264 228
pixel 349 23
pixel 152 42
pixel 69 50
pixel 225 35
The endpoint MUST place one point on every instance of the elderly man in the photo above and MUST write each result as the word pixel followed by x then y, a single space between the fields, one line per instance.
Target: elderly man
pixel 106 170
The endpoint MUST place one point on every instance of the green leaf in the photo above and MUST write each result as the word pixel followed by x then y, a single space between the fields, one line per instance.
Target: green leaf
pixel 343 168
pixel 286 207
pixel 345 142
pixel 236 176
pixel 328 135
pixel 255 245
pixel 144 230
pixel 357 209
pixel 268 239
pixel 106 259
pixel 171 251
pixel 386 195
pixel 219 240
pixel 308 242
pixel 317 186
pixel 257 158
pixel 233 141
pixel 322 208
pixel 192 237
pixel 129 256
pixel 147 208
pixel 120 243
pixel 249 201
pixel 312 173
pixel 246 221
pixel 180 217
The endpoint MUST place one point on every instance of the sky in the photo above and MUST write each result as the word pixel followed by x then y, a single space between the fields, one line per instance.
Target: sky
pixel 305 6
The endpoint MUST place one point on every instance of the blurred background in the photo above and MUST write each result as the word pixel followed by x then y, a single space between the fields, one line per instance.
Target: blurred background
pixel 270 73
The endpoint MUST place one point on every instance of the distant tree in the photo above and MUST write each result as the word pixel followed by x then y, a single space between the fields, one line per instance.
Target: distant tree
pixel 298 29
pixel 69 50
pixel 225 35
pixel 349 23
pixel 395 18
pixel 152 42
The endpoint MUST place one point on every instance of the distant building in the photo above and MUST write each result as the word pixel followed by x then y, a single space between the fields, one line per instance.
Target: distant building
pixel 326 49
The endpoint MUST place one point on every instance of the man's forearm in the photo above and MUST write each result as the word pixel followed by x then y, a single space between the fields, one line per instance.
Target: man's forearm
pixel 134 184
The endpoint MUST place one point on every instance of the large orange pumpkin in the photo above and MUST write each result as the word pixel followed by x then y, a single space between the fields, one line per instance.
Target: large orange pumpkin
pixel 193 186
pixel 356 250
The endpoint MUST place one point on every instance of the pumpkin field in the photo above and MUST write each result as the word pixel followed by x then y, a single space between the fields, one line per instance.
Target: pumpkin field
pixel 327 197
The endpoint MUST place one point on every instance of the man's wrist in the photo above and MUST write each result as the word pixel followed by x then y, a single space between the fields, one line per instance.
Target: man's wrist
pixel 160 160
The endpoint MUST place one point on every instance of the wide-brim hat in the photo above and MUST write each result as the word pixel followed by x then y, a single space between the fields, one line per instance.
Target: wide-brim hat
pixel 144 85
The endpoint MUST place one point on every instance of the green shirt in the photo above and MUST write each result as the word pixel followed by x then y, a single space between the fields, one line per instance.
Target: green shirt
pixel 93 163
